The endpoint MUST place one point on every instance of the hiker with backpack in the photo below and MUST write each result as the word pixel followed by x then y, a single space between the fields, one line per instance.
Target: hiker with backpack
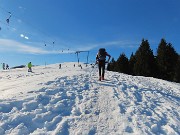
pixel 101 61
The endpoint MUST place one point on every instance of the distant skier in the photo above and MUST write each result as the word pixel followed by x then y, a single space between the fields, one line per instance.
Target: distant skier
pixel 29 67
pixel 101 60
pixel 7 66
pixel 59 66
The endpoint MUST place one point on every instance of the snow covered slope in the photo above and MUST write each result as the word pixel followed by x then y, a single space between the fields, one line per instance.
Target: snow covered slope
pixel 52 101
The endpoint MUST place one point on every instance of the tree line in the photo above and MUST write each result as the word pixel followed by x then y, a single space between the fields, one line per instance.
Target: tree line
pixel 165 65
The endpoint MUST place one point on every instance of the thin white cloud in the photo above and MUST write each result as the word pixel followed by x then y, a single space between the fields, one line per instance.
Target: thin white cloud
pixel 26 37
pixel 7 45
pixel 23 36
pixel 120 44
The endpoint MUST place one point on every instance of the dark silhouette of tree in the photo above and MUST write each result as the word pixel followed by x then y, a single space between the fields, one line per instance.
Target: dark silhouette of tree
pixel 111 65
pixel 172 58
pixel 145 62
pixel 122 64
pixel 166 60
pixel 132 61
pixel 166 65
pixel 177 71
pixel 161 59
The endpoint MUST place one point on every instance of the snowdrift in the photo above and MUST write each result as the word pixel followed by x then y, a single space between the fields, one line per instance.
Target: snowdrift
pixel 71 100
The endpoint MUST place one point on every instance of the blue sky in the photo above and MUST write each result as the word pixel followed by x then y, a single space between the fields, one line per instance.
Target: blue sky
pixel 83 25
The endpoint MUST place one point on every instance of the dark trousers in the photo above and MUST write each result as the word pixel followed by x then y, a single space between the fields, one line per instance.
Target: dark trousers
pixel 101 68
pixel 29 69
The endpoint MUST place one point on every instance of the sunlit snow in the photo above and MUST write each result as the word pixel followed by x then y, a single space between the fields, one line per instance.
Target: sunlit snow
pixel 71 100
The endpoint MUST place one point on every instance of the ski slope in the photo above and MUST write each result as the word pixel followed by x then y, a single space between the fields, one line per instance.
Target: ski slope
pixel 71 100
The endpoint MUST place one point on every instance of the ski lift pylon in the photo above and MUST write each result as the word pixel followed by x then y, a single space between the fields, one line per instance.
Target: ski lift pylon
pixel 77 52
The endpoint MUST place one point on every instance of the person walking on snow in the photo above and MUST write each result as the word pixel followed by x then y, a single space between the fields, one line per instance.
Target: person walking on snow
pixel 7 66
pixel 29 67
pixel 101 61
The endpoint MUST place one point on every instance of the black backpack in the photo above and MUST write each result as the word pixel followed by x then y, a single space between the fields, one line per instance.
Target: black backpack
pixel 102 54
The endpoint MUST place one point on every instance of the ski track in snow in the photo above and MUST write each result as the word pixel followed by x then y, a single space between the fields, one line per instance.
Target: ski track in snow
pixel 54 101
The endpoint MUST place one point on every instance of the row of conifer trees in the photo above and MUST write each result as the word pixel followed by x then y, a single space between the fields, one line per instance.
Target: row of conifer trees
pixel 165 65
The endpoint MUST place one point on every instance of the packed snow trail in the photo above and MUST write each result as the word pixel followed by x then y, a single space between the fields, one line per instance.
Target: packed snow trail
pixel 70 100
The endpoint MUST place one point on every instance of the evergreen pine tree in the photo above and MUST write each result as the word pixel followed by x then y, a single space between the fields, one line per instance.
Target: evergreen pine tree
pixel 132 61
pixel 172 58
pixel 145 62
pixel 111 65
pixel 123 64
pixel 161 59
pixel 166 60
pixel 177 71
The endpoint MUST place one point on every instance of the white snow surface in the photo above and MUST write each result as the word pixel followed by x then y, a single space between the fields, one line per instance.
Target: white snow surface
pixel 71 101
